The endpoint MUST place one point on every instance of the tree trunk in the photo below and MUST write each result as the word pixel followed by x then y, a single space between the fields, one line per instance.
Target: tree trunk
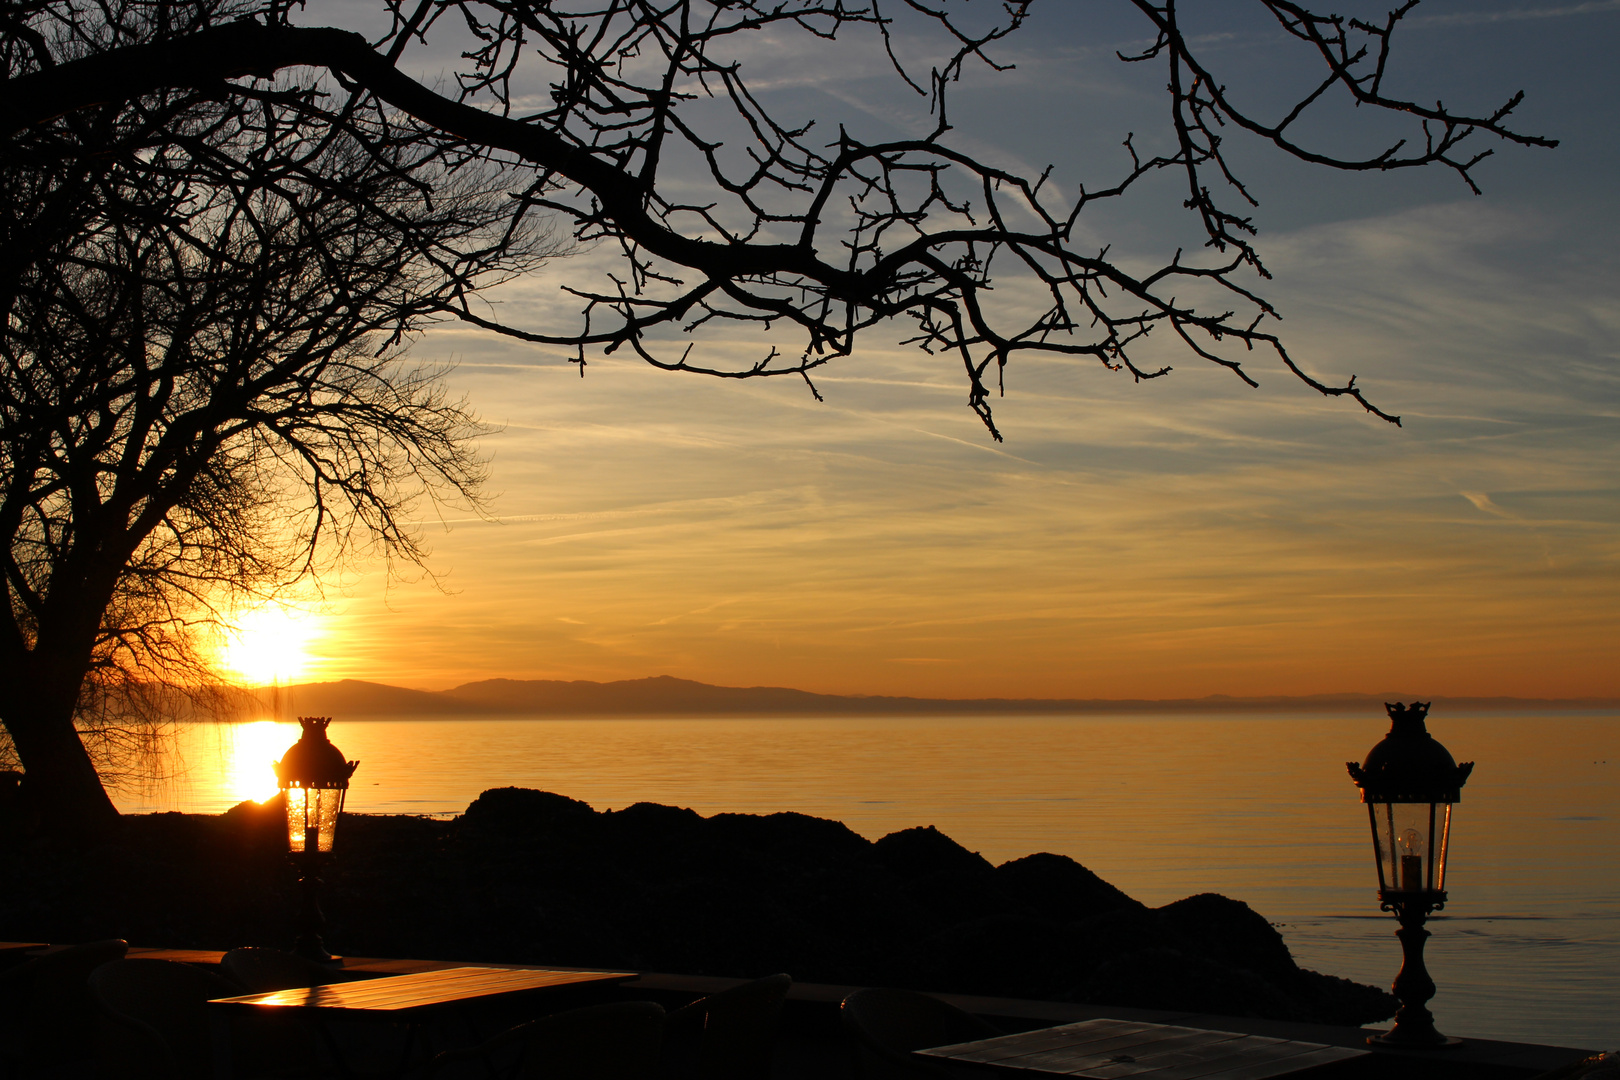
pixel 60 782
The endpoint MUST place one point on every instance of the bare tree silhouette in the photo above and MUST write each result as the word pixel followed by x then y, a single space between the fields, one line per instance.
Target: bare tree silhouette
pixel 808 239
pixel 204 395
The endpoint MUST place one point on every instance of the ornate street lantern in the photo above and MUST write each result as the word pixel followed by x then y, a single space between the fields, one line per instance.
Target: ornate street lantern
pixel 314 778
pixel 1410 783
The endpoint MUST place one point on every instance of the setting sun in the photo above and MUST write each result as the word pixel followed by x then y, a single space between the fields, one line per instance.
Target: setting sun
pixel 253 750
pixel 270 645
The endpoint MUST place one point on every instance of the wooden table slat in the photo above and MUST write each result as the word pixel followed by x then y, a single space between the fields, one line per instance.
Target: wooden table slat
pixel 1104 1062
pixel 1028 1043
pixel 1183 1050
pixel 1069 1061
pixel 1261 1061
pixel 1250 1051
pixel 399 993
pixel 1125 1050
pixel 1099 1048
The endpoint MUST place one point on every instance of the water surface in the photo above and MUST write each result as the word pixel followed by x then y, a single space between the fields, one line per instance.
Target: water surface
pixel 1260 809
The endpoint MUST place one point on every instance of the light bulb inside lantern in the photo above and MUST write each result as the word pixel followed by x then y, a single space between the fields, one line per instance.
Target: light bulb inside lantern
pixel 1411 842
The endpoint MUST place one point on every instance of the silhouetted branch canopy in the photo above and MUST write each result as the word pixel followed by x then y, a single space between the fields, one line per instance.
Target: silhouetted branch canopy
pixel 822 235
pixel 205 398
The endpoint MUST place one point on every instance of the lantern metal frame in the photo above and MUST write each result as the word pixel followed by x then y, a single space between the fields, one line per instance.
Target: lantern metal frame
pixel 314 781
pixel 1415 782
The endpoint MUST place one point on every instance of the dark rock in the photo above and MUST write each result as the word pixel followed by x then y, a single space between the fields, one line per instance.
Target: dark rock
pixel 1103 938
pixel 1162 977
pixel 943 877
pixel 1230 932
pixel 926 854
pixel 512 811
pixel 1328 999
pixel 804 837
pixel 1056 887
pixel 535 877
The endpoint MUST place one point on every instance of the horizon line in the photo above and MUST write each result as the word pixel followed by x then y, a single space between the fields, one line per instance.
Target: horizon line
pixel 1346 697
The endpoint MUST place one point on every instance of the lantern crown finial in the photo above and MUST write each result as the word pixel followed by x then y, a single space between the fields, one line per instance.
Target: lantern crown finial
pixel 1408 719
pixel 1409 764
pixel 312 761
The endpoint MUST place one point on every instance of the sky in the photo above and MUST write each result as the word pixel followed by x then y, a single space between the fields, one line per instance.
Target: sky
pixel 1174 538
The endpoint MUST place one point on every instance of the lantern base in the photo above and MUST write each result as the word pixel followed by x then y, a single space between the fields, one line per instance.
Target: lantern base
pixel 309 944
pixel 1396 900
pixel 1405 1042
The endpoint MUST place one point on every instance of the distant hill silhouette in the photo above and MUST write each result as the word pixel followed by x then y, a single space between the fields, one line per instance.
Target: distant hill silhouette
pixel 665 695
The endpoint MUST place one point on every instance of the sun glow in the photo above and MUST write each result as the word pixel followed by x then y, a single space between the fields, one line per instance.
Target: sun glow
pixel 269 645
pixel 253 750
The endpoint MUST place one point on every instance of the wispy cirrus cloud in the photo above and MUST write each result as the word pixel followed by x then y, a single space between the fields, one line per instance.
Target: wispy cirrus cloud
pixel 1182 537
pixel 1477 18
pixel 1173 538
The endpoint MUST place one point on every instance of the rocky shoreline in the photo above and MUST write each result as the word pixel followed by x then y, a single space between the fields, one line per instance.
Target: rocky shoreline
pixel 533 877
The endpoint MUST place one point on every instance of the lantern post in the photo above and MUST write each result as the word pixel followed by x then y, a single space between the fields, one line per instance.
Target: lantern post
pixel 314 779
pixel 1410 783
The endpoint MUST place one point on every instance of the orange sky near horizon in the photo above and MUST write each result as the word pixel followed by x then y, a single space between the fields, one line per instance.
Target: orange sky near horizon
pixel 1172 539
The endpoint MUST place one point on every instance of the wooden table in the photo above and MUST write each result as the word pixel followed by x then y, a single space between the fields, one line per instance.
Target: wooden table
pixel 401 997
pixel 407 999
pixel 1120 1049
pixel 15 952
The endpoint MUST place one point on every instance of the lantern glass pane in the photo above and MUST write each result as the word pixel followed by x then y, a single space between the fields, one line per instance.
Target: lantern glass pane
pixel 1375 815
pixel 1443 811
pixel 1406 843
pixel 312 815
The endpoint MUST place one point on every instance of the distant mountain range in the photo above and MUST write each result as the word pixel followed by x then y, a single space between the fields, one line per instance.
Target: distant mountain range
pixel 665 695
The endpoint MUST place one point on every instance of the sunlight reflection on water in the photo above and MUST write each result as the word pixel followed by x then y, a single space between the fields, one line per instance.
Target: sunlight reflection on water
pixel 1257 808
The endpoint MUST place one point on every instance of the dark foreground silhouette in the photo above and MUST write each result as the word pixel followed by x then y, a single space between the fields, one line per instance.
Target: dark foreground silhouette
pixel 532 877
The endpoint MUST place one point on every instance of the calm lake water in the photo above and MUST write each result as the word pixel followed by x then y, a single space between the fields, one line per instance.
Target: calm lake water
pixel 1163 807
